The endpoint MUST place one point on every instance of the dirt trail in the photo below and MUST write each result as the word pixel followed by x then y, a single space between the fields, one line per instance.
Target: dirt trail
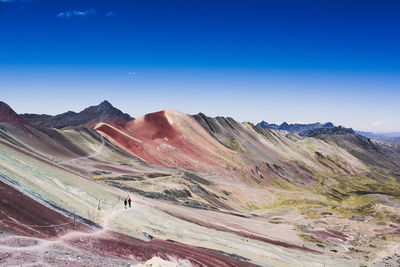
pixel 43 243
pixel 41 247
pixel 94 154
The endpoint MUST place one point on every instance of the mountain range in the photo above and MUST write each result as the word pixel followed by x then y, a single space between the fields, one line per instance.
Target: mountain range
pixel 301 129
pixel 206 190
pixel 386 137
pixel 306 129
pixel 104 112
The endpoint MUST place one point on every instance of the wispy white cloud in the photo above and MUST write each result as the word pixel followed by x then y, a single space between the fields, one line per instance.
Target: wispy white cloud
pixel 68 14
pixel 110 14
pixel 380 124
pixel 132 73
pixel 383 126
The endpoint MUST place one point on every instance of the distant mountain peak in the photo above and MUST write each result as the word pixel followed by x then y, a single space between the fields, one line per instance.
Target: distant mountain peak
pixel 265 124
pixel 104 112
pixel 301 129
pixel 385 137
pixel 335 130
pixel 105 102
pixel 284 126
pixel 105 105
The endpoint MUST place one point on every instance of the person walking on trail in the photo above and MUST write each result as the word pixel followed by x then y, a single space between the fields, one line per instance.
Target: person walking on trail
pixel 129 201
pixel 125 202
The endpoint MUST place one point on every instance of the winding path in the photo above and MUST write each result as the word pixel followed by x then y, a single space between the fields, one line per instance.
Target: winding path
pixel 94 154
pixel 41 245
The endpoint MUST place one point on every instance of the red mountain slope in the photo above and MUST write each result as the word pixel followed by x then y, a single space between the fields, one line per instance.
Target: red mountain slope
pixel 168 138
pixel 7 114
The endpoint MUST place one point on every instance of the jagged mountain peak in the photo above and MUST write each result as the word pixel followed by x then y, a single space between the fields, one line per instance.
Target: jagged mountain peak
pixel 105 103
pixel 105 106
pixel 103 112
pixel 335 130
pixel 299 128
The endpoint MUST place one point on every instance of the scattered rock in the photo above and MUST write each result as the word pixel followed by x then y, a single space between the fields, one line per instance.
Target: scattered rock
pixel 99 172
pixel 156 262
pixel 357 218
pixel 178 193
pixel 166 148
pixel 191 177
pixel 156 175
pixel 198 190
pixel 150 237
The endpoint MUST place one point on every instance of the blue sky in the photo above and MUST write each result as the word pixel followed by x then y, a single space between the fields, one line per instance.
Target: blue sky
pixel 286 60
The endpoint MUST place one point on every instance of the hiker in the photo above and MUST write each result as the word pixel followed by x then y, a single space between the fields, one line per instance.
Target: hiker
pixel 129 201
pixel 125 202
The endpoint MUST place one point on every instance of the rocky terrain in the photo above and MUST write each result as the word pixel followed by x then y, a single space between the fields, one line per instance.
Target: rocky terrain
pixel 206 192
